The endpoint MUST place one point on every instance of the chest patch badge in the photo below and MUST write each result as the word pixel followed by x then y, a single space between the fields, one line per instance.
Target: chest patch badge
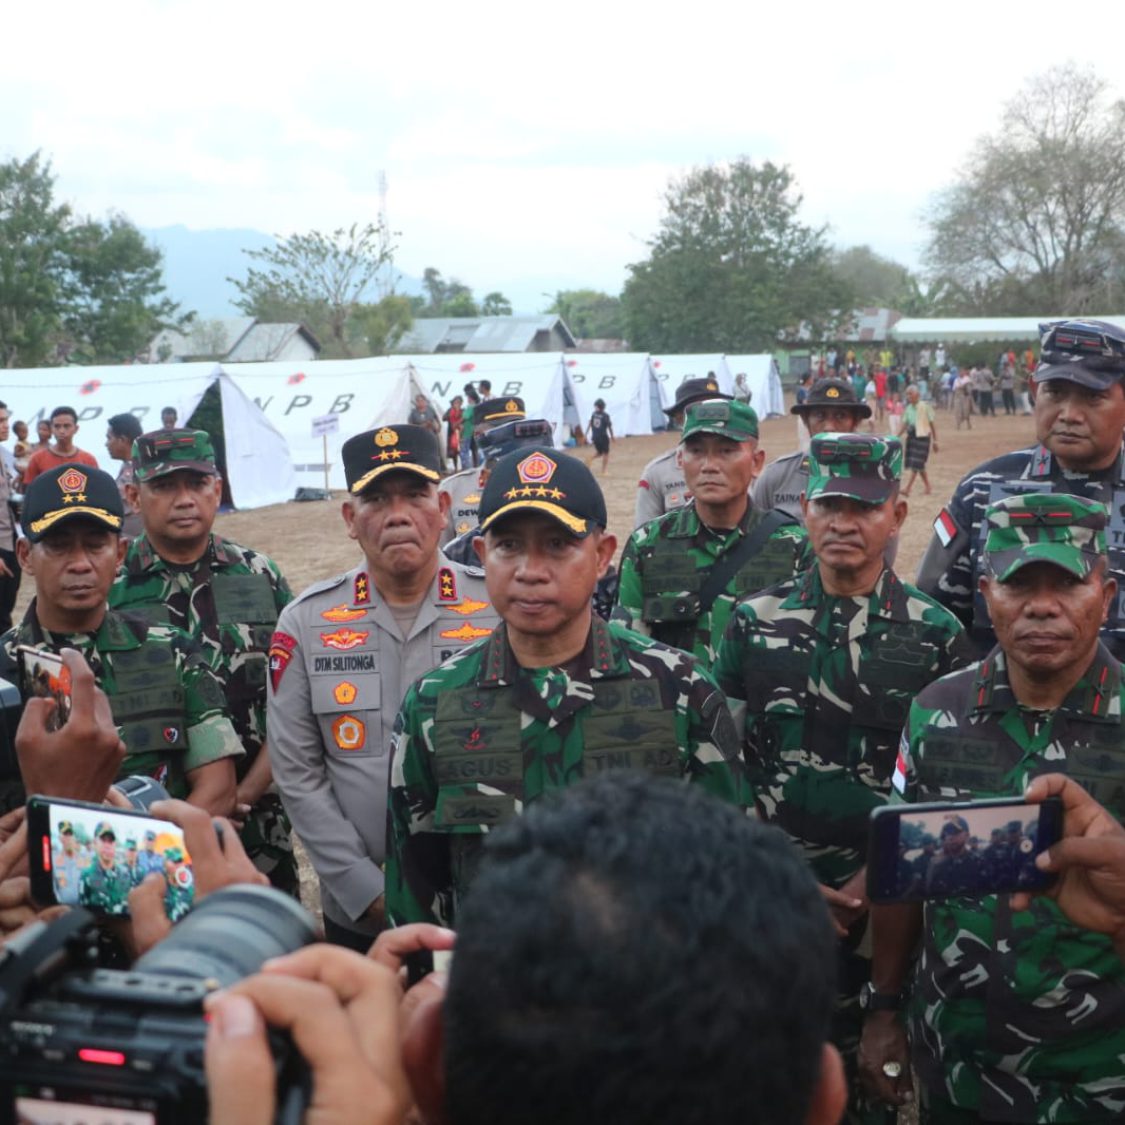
pixel 344 639
pixel 466 632
pixel 345 693
pixel 341 613
pixel 467 606
pixel 349 732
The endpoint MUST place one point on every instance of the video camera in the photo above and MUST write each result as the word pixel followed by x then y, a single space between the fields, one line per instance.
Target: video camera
pixel 81 1043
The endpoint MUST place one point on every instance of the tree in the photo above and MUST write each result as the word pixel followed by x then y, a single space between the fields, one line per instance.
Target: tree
pixel 316 278
pixel 115 300
pixel 872 279
pixel 590 314
pixel 32 261
pixel 731 266
pixel 378 328
pixel 1036 222
pixel 495 304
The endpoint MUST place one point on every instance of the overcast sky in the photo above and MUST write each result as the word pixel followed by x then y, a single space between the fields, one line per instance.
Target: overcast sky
pixel 525 146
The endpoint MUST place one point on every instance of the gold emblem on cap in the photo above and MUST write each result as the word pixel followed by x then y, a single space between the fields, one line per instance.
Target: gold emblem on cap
pixel 511 407
pixel 386 436
pixel 72 481
pixel 536 469
pixel 832 392
pixel 712 386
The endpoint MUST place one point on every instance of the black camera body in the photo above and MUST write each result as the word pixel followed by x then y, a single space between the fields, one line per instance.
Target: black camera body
pixel 75 1037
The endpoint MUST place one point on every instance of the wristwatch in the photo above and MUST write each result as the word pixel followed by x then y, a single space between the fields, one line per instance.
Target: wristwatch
pixel 872 1001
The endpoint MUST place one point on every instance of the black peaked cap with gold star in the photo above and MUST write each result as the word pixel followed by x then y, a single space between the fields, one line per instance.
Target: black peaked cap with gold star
pixel 542 479
pixel 411 449
pixel 71 492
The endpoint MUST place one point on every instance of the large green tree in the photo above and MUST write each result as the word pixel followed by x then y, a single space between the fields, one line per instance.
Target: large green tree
pixel 318 279
pixel 1035 223
pixel 732 266
pixel 80 289
pixel 589 313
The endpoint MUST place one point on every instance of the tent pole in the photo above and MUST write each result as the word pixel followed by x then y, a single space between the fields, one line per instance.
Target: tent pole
pixel 327 494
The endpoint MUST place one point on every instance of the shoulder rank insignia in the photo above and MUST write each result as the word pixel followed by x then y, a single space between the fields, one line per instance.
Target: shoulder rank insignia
pixel 447 584
pixel 361 595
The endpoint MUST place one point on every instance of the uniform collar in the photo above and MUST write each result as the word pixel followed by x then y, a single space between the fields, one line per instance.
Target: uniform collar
pixel 888 600
pixel 142 555
pixel 605 657
pixel 686 524
pixel 1093 699
pixel 112 635
pixel 1044 467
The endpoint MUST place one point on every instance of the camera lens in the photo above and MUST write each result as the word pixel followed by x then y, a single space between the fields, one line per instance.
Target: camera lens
pixel 230 934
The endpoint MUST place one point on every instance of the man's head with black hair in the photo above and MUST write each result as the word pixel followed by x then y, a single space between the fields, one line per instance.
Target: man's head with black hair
pixel 632 950
pixel 121 431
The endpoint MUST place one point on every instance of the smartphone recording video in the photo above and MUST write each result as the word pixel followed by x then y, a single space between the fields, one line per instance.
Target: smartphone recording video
pixel 972 848
pixel 45 675
pixel 88 855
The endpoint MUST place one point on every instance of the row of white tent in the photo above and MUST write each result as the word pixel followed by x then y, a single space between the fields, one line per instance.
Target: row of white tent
pixel 268 408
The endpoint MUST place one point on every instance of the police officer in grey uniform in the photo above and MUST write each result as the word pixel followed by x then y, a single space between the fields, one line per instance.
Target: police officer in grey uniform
pixel 345 652
pixel 661 487
pixel 464 488
pixel 1079 418
pixel 831 407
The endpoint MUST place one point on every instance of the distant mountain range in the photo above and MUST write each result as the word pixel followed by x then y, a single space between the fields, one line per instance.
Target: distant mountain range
pixel 197 264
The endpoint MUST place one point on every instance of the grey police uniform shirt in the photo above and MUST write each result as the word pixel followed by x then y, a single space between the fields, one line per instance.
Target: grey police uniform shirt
pixel 464 489
pixel 339 667
pixel 661 488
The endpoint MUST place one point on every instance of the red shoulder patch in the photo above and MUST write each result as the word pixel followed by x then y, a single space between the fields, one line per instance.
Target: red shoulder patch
pixel 282 647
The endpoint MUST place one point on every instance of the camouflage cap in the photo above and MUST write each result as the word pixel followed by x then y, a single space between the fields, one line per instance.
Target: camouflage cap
pixel 693 389
pixel 860 466
pixel 1090 353
pixel 104 828
pixel 727 417
pixel 1068 531
pixel 70 492
pixel 954 826
pixel 160 452
pixel 411 449
pixel 493 411
pixel 174 854
pixel 130 843
pixel 829 393
pixel 544 480
pixel 66 828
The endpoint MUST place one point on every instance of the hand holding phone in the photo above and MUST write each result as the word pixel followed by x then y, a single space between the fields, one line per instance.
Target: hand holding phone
pixel 942 850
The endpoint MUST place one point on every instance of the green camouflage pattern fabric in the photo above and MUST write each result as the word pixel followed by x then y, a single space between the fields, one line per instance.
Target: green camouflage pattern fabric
pixel 105 889
pixel 164 451
pixel 1068 531
pixel 1017 1017
pixel 725 417
pixel 228 602
pixel 478 738
pixel 822 686
pixel 666 561
pixel 860 466
pixel 166 701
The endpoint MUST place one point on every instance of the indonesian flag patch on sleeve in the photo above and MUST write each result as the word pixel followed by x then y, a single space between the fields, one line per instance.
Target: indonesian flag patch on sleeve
pixel 902 765
pixel 945 528
pixel 282 647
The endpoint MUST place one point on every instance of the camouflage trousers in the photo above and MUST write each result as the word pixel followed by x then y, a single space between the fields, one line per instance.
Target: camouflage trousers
pixel 852 971
pixel 268 840
pixel 938 1111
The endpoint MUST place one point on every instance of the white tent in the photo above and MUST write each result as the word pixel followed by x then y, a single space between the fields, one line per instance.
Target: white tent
pixel 364 393
pixel 626 381
pixel 971 329
pixel 672 370
pixel 258 465
pixel 539 378
pixel 764 380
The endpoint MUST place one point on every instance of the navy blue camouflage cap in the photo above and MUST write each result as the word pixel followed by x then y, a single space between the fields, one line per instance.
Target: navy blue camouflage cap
pixel 860 466
pixel 543 480
pixel 1067 531
pixel 1090 353
pixel 410 449
pixel 71 492
pixel 160 452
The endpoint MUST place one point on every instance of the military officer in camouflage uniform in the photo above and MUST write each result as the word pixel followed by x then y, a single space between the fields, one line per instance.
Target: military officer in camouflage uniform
pixel 105 884
pixel 179 893
pixel 553 695
pixel 225 597
pixel 1015 1017
pixel 831 407
pixel 662 487
pixel 132 863
pixel 464 488
pixel 682 573
pixel 345 652
pixel 1079 418
pixel 168 705
pixel 821 671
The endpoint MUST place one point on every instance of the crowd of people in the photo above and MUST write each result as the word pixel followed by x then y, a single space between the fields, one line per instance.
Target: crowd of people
pixel 474 757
